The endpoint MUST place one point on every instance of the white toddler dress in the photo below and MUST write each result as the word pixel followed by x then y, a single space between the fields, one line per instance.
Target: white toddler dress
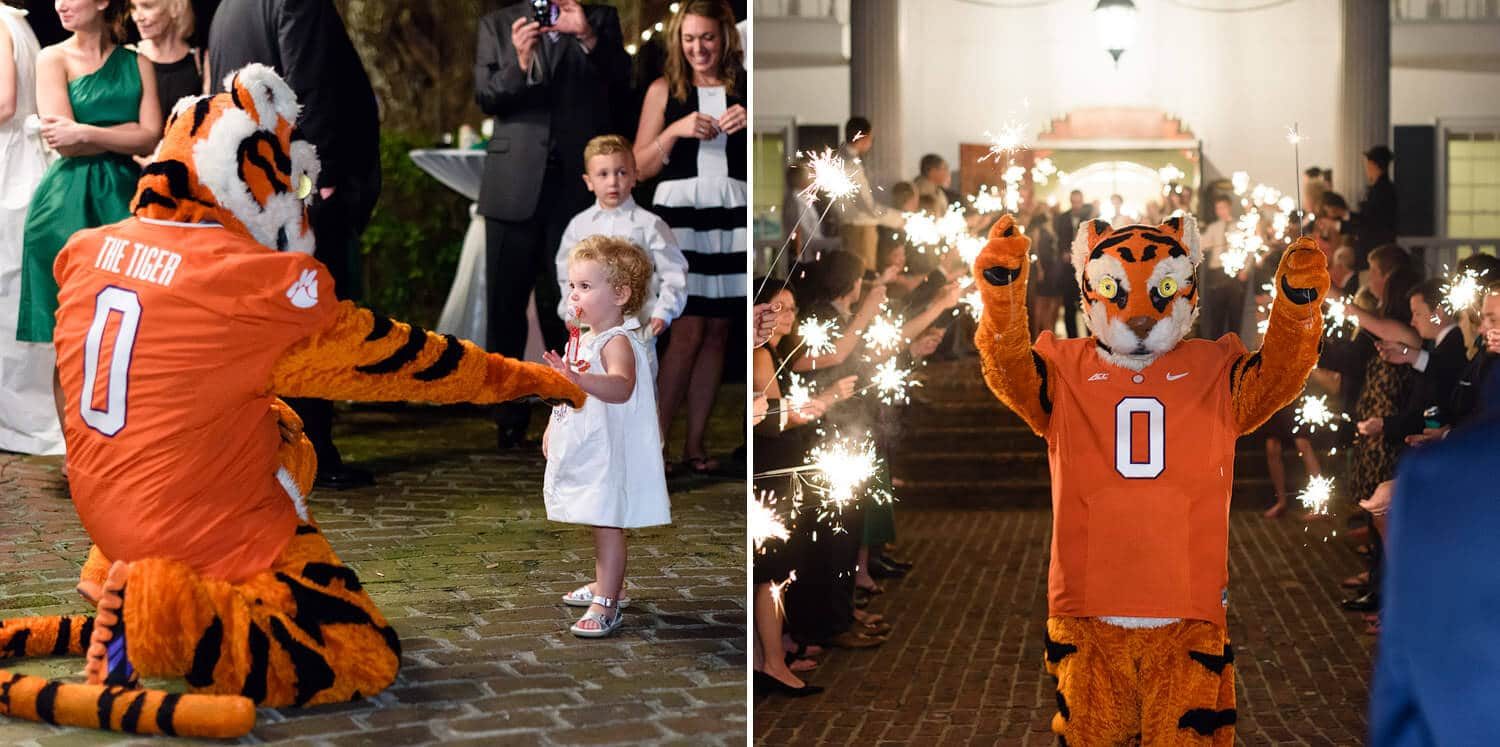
pixel 604 464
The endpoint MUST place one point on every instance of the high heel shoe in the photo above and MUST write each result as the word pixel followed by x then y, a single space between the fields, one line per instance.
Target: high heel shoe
pixel 765 684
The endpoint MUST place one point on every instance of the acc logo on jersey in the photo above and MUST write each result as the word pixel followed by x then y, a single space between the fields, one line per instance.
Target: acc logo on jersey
pixel 304 292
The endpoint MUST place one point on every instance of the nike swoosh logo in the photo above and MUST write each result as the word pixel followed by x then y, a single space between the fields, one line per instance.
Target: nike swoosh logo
pixel 1174 377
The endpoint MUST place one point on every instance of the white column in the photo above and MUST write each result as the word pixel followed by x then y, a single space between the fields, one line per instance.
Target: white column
pixel 875 84
pixel 1364 92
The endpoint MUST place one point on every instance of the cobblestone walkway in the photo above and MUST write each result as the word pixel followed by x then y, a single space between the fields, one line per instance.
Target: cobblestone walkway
pixel 454 546
pixel 964 663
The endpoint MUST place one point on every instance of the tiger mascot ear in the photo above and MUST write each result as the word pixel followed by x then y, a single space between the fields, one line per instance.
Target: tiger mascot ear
pixel 1090 233
pixel 1184 228
pixel 234 159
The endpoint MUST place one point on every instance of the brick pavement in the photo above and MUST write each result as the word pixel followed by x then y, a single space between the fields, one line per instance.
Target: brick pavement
pixel 454 546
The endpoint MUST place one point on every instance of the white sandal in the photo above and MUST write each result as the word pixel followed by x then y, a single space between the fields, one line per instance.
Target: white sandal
pixel 582 597
pixel 606 626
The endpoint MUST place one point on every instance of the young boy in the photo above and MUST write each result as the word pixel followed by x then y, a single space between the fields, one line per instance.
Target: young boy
pixel 609 172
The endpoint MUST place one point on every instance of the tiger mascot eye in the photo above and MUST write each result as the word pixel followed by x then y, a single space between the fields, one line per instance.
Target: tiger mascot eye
pixel 1140 426
pixel 178 330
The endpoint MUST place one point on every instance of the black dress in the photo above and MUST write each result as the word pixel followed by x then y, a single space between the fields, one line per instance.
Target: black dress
pixel 175 80
pixel 702 195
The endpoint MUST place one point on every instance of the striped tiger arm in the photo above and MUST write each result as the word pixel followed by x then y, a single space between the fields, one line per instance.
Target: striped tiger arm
pixel 367 357
pixel 113 708
pixel 1265 381
pixel 1014 372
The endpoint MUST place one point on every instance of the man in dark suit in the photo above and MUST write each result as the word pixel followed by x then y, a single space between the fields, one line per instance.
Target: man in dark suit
pixel 550 88
pixel 1438 667
pixel 307 44
pixel 1375 224
pixel 1439 362
pixel 1065 225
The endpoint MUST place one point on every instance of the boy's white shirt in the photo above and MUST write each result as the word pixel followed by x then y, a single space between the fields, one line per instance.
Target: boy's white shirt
pixel 632 222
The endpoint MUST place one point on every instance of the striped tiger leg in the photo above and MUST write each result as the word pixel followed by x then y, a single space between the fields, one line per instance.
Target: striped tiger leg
pixel 97 706
pixel 1097 697
pixel 1187 685
pixel 303 632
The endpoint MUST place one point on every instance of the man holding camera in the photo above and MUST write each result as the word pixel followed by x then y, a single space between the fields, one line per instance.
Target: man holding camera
pixel 553 75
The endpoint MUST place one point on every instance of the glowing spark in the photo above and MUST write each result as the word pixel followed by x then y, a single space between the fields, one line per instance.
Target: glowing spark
pixel 1006 143
pixel 893 382
pixel 988 200
pixel 883 333
pixel 1042 171
pixel 1463 292
pixel 1318 493
pixel 974 302
pixel 817 336
pixel 842 467
pixel 778 589
pixel 1293 137
pixel 798 393
pixel 1336 317
pixel 1313 413
pixel 922 231
pixel 952 225
pixel 1241 182
pixel 829 176
pixel 969 248
pixel 765 524
pixel 1169 174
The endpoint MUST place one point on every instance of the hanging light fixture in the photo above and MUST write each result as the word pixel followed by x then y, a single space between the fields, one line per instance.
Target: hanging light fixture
pixel 1115 21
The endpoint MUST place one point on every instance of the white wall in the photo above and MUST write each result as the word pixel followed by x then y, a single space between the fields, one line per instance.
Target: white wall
pixel 813 95
pixel 1237 80
pixel 1424 96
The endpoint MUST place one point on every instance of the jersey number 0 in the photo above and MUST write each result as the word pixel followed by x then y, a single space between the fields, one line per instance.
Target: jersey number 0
pixel 1156 437
pixel 127 304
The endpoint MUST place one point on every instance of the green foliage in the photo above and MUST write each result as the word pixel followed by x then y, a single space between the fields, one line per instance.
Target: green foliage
pixel 411 247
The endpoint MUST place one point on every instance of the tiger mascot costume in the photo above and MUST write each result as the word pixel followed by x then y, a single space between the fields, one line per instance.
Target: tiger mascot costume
pixel 178 329
pixel 1140 427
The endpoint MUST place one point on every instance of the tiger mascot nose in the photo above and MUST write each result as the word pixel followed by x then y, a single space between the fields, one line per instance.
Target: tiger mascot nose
pixel 1141 325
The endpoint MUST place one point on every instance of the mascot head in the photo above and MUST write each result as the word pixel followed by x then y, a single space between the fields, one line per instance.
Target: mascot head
pixel 1140 286
pixel 234 159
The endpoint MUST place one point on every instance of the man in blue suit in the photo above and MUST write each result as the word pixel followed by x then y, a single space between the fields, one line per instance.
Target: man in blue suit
pixel 1437 676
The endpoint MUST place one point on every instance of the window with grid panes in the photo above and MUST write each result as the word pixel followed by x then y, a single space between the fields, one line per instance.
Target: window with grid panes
pixel 1474 184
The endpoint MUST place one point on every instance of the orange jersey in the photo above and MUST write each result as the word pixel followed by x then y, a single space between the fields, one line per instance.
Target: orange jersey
pixel 1142 465
pixel 166 338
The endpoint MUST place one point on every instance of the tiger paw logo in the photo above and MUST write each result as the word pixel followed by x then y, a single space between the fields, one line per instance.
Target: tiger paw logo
pixel 304 292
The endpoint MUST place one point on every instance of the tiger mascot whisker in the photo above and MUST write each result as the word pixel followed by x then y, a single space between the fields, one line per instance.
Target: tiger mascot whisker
pixel 1140 427
pixel 178 330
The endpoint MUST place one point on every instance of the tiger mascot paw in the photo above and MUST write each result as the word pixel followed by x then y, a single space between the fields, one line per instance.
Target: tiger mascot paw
pixel 1302 276
pixel 1004 257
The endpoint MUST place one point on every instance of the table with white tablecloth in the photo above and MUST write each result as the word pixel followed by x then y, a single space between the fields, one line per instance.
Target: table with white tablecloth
pixel 465 313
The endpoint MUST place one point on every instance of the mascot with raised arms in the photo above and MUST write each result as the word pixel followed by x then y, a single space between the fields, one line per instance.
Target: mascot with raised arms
pixel 177 331
pixel 1140 427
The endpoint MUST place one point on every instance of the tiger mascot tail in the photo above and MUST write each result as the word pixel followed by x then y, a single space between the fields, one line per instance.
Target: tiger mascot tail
pixel 220 575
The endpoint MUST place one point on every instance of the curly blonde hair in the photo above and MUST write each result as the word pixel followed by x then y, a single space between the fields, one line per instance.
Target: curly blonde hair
pixel 625 266
pixel 678 72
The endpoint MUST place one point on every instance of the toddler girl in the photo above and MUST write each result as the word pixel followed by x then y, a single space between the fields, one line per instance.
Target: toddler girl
pixel 604 465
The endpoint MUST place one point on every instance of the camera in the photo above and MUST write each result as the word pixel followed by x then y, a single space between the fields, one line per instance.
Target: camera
pixel 541 12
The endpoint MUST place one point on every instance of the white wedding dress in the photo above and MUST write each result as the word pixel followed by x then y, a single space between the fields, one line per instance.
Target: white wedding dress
pixel 28 419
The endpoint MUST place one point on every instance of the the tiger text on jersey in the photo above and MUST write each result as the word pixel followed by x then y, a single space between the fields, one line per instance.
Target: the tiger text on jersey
pixel 134 259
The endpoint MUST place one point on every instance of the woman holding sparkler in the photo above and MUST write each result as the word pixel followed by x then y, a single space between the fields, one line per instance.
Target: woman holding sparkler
pixel 692 135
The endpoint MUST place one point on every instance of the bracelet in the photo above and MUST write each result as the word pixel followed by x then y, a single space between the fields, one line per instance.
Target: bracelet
pixel 664 159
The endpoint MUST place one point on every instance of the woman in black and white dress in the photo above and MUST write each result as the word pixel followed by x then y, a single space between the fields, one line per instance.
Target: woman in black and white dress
pixel 692 135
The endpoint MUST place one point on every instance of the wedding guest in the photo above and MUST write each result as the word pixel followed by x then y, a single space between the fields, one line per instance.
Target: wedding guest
pixel 165 27
pixel 692 137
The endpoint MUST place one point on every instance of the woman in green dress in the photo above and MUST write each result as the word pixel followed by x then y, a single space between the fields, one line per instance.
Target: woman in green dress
pixel 98 106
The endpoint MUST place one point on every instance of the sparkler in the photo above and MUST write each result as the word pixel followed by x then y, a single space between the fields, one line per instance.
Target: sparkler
pixel 969 248
pixel 987 200
pixel 1313 413
pixel 892 382
pixel 1241 182
pixel 1464 291
pixel 922 231
pixel 764 522
pixel 883 333
pixel 829 176
pixel 818 336
pixel 776 593
pixel 842 466
pixel 1336 317
pixel 1318 493
pixel 798 393
pixel 974 302
pixel 1294 137
pixel 1005 144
